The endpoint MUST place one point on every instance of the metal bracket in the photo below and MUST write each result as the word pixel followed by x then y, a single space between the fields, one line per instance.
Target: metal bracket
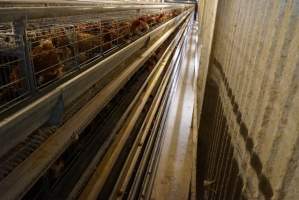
pixel 147 41
pixel 20 29
pixel 56 116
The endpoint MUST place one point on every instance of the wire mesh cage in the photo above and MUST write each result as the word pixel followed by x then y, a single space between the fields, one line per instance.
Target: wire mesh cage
pixel 51 48
pixel 13 80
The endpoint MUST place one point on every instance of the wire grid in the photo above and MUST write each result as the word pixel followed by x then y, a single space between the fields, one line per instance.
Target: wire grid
pixel 13 81
pixel 57 46
pixel 61 45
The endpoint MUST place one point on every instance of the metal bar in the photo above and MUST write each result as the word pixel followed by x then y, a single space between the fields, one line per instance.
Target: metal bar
pixel 76 2
pixel 139 142
pixel 218 149
pixel 20 27
pixel 10 14
pixel 213 139
pixel 151 176
pixel 220 163
pixel 195 124
pixel 154 155
pixel 224 179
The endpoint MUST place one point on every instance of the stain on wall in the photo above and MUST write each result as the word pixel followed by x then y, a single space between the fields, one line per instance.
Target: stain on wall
pixel 254 67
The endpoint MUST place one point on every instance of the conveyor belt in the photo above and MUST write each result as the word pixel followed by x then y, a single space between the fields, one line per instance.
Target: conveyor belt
pixel 18 154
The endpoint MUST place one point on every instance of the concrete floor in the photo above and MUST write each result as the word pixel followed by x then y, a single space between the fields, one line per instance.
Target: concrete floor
pixel 173 177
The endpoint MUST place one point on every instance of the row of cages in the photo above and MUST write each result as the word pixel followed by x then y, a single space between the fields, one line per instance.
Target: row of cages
pixel 35 53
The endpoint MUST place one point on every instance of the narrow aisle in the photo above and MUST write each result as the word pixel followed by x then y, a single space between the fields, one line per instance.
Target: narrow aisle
pixel 174 170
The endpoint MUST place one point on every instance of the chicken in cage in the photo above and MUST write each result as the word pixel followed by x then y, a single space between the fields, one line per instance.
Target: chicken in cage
pixel 13 83
pixel 46 61
pixel 124 31
pixel 88 40
pixel 91 39
pixel 109 34
pixel 57 46
pixel 139 26
pixel 51 51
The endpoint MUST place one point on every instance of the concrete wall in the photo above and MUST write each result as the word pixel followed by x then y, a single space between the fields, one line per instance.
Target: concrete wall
pixel 207 17
pixel 255 64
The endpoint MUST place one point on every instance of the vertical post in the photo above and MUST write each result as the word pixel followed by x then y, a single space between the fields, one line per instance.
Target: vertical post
pixel 74 41
pixel 102 37
pixel 24 53
pixel 56 117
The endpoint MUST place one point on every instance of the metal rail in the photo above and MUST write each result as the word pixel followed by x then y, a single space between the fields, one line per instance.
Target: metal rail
pixel 77 173
pixel 150 170
pixel 31 117
pixel 111 134
pixel 104 170
pixel 147 139
pixel 15 3
pixel 25 175
pixel 97 181
pixel 11 14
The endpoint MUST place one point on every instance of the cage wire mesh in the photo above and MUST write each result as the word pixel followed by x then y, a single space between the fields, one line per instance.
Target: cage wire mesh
pixel 13 81
pixel 57 46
